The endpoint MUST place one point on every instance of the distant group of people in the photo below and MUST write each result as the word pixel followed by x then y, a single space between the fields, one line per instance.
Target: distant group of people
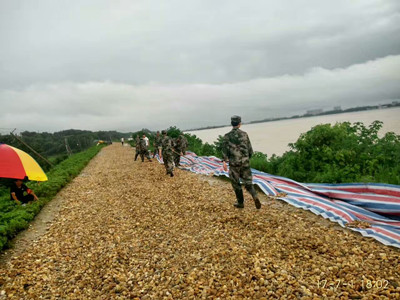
pixel 236 150
pixel 142 147
pixel 171 151
pixel 166 147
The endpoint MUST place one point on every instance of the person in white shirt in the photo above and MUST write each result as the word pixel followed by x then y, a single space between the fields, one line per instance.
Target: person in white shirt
pixel 147 140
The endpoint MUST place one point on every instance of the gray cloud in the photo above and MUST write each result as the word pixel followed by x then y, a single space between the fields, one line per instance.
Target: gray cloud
pixel 196 41
pixel 125 64
pixel 113 105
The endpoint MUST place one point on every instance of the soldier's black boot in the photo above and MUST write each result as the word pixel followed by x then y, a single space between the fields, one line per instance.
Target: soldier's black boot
pixel 239 199
pixel 253 193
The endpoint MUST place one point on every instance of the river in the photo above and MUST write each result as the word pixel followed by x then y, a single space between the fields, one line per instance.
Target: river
pixel 274 137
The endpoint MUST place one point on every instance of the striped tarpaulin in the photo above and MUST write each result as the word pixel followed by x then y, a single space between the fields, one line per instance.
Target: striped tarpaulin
pixel 376 204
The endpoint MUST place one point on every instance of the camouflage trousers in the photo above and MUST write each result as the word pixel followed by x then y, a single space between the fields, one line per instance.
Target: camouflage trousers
pixel 144 153
pixel 168 161
pixel 155 152
pixel 243 172
pixel 177 159
pixel 137 153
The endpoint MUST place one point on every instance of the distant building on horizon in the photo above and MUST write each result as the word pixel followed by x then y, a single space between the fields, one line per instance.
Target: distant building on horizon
pixel 380 106
pixel 314 112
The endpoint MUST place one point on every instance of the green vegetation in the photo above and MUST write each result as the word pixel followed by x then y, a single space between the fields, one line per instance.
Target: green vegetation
pixel 14 218
pixel 343 152
pixel 53 146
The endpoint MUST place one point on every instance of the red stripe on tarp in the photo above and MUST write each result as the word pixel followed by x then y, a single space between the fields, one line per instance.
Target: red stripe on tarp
pixel 364 217
pixel 337 211
pixel 342 195
pixel 366 190
pixel 10 163
pixel 386 233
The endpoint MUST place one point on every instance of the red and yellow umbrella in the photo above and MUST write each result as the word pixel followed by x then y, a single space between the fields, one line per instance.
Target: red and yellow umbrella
pixel 15 163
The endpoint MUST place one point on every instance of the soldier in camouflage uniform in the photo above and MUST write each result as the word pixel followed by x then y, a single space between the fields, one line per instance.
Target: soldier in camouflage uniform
pixel 137 146
pixel 157 143
pixel 180 145
pixel 167 153
pixel 144 151
pixel 238 151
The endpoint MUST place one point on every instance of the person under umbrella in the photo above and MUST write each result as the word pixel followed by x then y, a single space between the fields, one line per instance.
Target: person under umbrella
pixel 18 190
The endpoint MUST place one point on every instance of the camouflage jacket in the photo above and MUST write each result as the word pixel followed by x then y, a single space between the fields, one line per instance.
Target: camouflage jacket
pixel 167 144
pixel 184 144
pixel 137 141
pixel 143 145
pixel 158 141
pixel 237 148
pixel 180 144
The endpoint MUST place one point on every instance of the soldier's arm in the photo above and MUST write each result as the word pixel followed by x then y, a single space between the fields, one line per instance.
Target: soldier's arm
pixel 250 147
pixel 225 154
pixel 185 145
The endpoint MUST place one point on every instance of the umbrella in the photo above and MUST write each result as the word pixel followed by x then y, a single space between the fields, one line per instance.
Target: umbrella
pixel 15 163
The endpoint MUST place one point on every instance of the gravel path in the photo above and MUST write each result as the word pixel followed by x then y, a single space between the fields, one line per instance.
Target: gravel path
pixel 127 231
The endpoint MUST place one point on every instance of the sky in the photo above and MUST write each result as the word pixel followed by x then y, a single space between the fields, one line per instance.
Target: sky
pixel 126 65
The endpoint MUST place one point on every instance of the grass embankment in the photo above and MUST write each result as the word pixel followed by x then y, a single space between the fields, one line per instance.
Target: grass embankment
pixel 14 218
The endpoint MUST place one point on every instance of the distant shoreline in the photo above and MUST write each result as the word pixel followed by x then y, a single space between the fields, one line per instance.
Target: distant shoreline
pixel 308 115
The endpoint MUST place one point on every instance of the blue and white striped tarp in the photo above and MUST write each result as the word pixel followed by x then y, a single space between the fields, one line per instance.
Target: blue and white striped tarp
pixel 376 204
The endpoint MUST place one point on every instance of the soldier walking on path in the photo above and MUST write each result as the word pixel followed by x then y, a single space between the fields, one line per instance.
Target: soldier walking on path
pixel 180 149
pixel 167 153
pixel 157 143
pixel 137 147
pixel 237 150
pixel 144 150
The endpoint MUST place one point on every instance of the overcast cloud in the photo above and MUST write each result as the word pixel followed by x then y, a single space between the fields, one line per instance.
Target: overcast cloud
pixel 125 65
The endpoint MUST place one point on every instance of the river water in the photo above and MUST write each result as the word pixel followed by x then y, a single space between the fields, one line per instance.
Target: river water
pixel 274 137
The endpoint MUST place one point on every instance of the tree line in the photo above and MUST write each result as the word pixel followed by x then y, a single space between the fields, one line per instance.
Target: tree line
pixel 53 146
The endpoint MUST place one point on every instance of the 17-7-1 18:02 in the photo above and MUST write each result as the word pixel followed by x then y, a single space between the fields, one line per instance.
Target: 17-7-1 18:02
pixel 365 284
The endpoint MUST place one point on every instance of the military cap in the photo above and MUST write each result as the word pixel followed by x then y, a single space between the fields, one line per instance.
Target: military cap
pixel 236 119
pixel 164 132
